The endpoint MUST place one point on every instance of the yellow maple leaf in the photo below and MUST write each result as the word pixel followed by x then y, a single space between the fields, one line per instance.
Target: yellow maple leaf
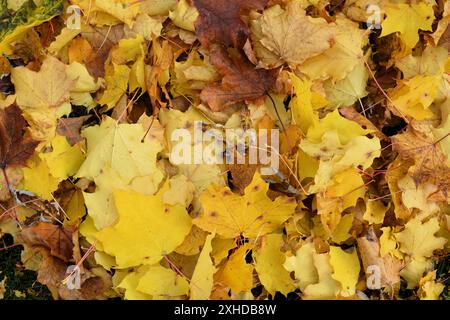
pixel 193 242
pixel 269 265
pixel 145 26
pixel 129 282
pixel 416 196
pixel 326 287
pixel 414 271
pixel 304 103
pixel 388 244
pixel 158 7
pixel 335 157
pixel 346 129
pixel 181 191
pixel 202 279
pixel 302 264
pixel 236 273
pixel 120 147
pixel 116 78
pixel 47 88
pixel 345 269
pixel 184 15
pixel 375 211
pixel 343 56
pixel 407 19
pixel 342 231
pixel 63 39
pixel 124 10
pixel 38 179
pixel 64 160
pixel 413 97
pixel 152 229
pixel 85 84
pixel 40 94
pixel 429 288
pixel 418 239
pixel 200 175
pixel 162 283
pixel 75 209
pixel 192 75
pixel 430 63
pixel 100 204
pixel 251 215
pixel 349 90
pixel 220 249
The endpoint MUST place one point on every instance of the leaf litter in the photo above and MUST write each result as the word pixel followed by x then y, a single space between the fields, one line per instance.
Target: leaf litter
pixel 90 192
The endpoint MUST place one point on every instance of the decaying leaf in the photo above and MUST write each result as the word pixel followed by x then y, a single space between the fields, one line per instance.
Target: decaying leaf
pixel 219 21
pixel 224 149
pixel 241 81
pixel 15 148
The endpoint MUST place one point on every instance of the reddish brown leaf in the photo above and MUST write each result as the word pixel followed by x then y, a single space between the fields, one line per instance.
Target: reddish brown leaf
pixel 70 128
pixel 219 21
pixel 241 80
pixel 56 238
pixel 14 148
pixel 242 175
pixel 51 270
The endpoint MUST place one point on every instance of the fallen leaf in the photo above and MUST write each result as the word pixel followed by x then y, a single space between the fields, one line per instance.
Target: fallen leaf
pixel 241 81
pixel 219 21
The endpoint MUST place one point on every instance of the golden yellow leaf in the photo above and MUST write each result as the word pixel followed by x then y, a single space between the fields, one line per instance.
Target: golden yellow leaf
pixel 269 265
pixel 38 179
pixel 236 273
pixel 345 269
pixel 343 56
pixel 375 211
pixel 202 280
pixel 39 94
pixel 414 97
pixel 430 289
pixel 326 287
pixel 251 215
pixel 124 10
pixel 116 84
pixel 414 271
pixel 302 264
pixel 184 15
pixel 64 160
pixel 407 19
pixel 163 283
pixel 120 147
pixel 151 228
pixel 418 239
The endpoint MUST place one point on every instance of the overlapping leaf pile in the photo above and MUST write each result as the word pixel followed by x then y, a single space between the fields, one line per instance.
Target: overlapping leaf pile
pixel 360 206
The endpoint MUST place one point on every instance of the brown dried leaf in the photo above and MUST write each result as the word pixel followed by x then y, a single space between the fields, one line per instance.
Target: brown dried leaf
pixel 241 80
pixel 242 175
pixel 219 21
pixel 70 128
pixel 57 239
pixel 15 149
